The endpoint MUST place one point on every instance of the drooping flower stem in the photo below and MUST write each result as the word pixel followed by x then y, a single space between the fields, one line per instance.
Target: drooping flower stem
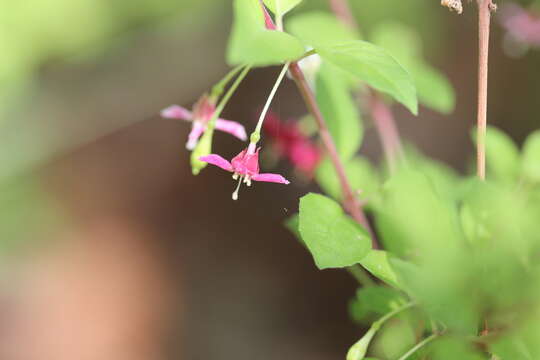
pixel 484 18
pixel 350 202
pixel 359 350
pixel 418 346
pixel 225 99
pixel 255 136
pixel 218 89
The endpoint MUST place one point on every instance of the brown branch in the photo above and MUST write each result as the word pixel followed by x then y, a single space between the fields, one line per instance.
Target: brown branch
pixel 343 12
pixel 381 114
pixel 388 132
pixel 350 199
pixel 484 18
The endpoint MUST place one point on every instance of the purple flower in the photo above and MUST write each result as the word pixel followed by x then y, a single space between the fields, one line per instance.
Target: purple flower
pixel 203 111
pixel 245 167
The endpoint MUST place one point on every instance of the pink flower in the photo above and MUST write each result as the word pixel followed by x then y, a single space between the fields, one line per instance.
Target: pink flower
pixel 290 143
pixel 522 25
pixel 245 167
pixel 201 115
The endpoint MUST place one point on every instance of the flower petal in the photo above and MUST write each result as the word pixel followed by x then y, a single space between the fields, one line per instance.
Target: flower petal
pixel 176 112
pixel 217 161
pixel 194 135
pixel 274 178
pixel 232 127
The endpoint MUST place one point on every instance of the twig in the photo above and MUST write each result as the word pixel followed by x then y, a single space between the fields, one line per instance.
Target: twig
pixel 350 200
pixel 343 12
pixel 484 18
pixel 387 129
pixel 381 114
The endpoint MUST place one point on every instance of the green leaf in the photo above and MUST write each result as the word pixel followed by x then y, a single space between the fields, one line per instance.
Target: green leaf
pixel 511 348
pixel 530 165
pixel 251 43
pixel 281 7
pixel 376 67
pixel 361 174
pixel 377 262
pixel 293 223
pixel 339 111
pixel 434 89
pixel 502 155
pixel 452 349
pixel 374 301
pixel 320 29
pixel 334 239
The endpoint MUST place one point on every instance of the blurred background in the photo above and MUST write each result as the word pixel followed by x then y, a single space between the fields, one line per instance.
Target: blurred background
pixel 111 249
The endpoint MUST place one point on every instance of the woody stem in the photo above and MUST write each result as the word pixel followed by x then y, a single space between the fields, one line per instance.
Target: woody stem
pixel 381 114
pixel 350 200
pixel 484 19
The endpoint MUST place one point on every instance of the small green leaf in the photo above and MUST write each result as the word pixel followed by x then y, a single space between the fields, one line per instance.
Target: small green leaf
pixel 334 239
pixel 251 43
pixel 281 7
pixel 320 29
pixel 377 263
pixel 339 111
pixel 374 301
pixel 376 67
pixel 361 174
pixel 502 155
pixel 530 165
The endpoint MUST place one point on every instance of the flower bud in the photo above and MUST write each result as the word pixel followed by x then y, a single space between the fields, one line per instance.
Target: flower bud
pixel 203 148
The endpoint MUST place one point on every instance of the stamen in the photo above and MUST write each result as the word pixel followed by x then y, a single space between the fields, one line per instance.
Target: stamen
pixel 235 176
pixel 247 180
pixel 235 193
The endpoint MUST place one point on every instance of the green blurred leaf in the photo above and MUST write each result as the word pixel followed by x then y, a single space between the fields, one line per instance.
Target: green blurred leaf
pixel 530 165
pixel 334 239
pixel 453 349
pixel 339 111
pixel 374 301
pixel 511 348
pixel 434 89
pixel 362 176
pixel 502 155
pixel 251 43
pixel 377 262
pixel 413 216
pixel 281 7
pixel 320 29
pixel 293 224
pixel 376 67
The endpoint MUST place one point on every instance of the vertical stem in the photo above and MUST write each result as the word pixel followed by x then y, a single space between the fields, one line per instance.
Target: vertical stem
pixel 484 18
pixel 388 133
pixel 350 200
pixel 381 113
pixel 343 12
